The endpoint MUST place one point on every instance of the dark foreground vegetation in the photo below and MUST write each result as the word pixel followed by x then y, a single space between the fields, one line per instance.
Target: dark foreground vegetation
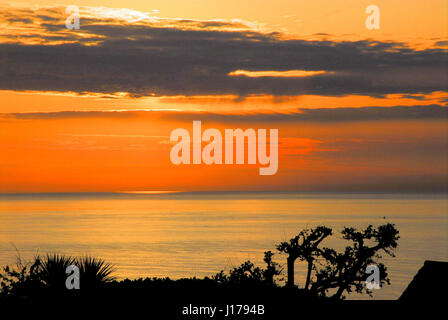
pixel 330 276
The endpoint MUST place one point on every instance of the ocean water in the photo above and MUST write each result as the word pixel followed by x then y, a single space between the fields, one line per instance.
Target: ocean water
pixel 185 235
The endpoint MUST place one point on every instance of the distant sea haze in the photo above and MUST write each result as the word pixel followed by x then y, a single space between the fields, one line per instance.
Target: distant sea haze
pixel 199 234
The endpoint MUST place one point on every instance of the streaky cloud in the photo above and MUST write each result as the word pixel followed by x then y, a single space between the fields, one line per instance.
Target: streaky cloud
pixel 419 112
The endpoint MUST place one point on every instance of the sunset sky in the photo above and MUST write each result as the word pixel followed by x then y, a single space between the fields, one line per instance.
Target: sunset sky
pixel 91 110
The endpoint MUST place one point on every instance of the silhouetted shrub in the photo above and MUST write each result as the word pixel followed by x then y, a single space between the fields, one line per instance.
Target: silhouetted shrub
pixel 247 274
pixel 21 280
pixel 48 275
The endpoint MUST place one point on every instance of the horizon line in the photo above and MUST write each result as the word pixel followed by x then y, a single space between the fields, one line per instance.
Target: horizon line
pixel 178 192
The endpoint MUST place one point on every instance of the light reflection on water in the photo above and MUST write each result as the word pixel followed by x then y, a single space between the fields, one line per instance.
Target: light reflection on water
pixel 198 235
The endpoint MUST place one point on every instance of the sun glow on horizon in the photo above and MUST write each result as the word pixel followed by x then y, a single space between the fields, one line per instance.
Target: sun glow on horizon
pixel 150 192
pixel 281 74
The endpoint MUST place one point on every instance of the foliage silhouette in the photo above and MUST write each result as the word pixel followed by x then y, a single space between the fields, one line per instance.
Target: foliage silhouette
pixel 21 279
pixel 94 272
pixel 52 270
pixel 48 274
pixel 247 274
pixel 341 271
pixel 345 270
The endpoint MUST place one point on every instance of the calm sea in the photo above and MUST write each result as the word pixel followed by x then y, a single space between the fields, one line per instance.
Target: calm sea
pixel 185 235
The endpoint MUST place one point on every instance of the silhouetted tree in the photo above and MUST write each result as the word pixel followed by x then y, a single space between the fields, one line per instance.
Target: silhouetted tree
pixel 305 246
pixel 345 271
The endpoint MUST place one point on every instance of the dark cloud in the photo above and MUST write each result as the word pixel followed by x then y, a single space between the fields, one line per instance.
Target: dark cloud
pixel 441 43
pixel 23 20
pixel 414 97
pixel 431 112
pixel 145 59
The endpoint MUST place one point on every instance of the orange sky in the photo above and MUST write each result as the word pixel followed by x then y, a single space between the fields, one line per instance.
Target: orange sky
pixel 417 21
pixel 102 154
pixel 124 151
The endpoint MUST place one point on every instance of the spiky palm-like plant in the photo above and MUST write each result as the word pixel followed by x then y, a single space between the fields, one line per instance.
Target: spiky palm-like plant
pixel 94 272
pixel 52 270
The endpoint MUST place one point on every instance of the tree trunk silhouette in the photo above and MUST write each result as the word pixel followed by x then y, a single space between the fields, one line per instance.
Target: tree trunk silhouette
pixel 338 293
pixel 308 275
pixel 290 262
